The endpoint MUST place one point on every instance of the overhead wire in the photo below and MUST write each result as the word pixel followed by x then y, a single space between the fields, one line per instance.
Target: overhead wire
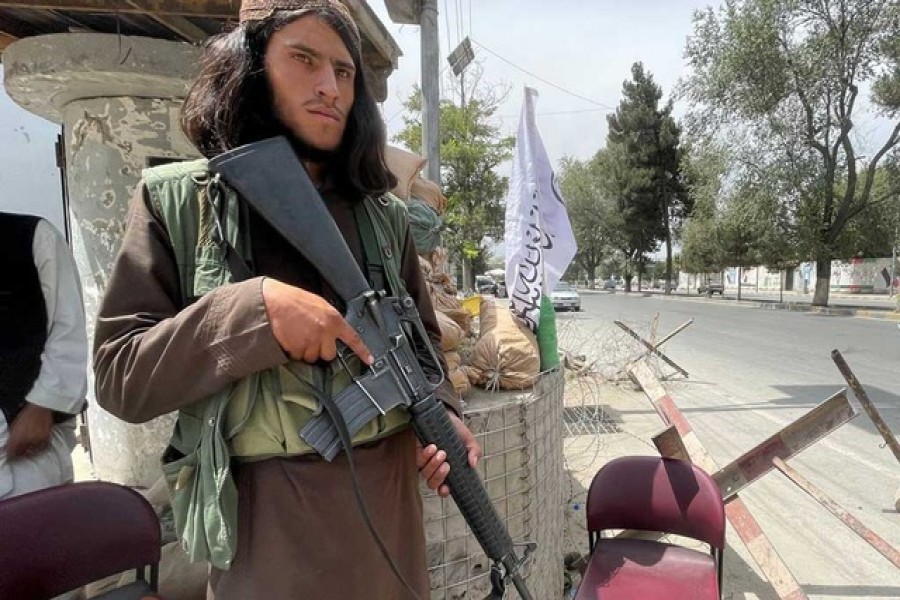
pixel 541 79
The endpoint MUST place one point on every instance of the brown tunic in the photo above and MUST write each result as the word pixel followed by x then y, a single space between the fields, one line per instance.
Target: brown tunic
pixel 300 533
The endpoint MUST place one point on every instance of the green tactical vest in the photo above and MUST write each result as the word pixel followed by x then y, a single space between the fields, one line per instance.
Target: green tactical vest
pixel 261 415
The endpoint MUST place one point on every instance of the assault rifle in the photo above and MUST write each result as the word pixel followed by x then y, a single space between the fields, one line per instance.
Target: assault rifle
pixel 271 179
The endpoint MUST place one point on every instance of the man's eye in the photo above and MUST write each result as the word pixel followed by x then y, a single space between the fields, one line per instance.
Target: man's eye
pixel 344 73
pixel 304 58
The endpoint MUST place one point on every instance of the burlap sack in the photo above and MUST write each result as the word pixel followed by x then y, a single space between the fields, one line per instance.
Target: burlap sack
pixel 425 267
pixel 455 374
pixel 439 260
pixel 451 333
pixel 429 193
pixel 461 317
pixel 405 166
pixel 460 381
pixel 453 360
pixel 506 352
pixel 440 299
pixel 474 374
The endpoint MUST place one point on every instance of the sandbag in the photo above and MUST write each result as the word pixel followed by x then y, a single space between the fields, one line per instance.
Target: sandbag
pixel 442 279
pixel 439 260
pixel 456 374
pixel 506 352
pixel 461 317
pixel 429 192
pixel 460 381
pixel 405 166
pixel 451 333
pixel 474 374
pixel 441 300
pixel 453 360
pixel 425 267
pixel 425 225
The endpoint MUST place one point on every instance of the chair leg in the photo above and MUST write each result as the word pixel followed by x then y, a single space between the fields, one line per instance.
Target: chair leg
pixel 154 576
pixel 720 560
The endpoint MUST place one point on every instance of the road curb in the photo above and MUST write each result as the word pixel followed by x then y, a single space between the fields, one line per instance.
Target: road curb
pixel 860 313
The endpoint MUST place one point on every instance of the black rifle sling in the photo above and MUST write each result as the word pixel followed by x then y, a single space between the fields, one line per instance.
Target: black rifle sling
pixel 374 266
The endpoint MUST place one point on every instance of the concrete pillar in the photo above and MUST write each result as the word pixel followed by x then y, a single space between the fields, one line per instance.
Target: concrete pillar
pixel 431 90
pixel 118 100
pixel 108 142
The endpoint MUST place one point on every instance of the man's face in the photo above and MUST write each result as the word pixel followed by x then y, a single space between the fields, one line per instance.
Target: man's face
pixel 311 74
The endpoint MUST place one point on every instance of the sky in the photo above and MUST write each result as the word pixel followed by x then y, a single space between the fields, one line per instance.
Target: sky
pixel 539 44
pixel 29 179
pixel 576 53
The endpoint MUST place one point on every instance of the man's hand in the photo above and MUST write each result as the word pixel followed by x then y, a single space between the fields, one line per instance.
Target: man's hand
pixel 29 432
pixel 306 326
pixel 432 462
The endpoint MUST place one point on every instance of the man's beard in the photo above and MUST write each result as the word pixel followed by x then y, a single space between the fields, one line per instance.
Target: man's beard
pixel 309 153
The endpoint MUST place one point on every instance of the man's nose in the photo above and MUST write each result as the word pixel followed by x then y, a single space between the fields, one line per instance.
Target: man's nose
pixel 326 84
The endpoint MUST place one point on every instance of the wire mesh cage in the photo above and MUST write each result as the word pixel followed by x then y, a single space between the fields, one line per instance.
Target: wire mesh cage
pixel 522 468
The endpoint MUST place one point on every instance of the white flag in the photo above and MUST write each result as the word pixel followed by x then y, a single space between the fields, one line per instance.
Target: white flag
pixel 539 240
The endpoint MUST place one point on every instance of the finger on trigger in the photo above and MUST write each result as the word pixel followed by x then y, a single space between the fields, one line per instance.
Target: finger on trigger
pixel 355 343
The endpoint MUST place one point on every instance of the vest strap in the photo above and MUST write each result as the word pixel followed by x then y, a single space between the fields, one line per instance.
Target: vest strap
pixel 240 270
pixel 371 252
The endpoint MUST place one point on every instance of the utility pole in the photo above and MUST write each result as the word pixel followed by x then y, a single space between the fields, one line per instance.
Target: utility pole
pixel 431 91
pixel 893 263
pixel 459 59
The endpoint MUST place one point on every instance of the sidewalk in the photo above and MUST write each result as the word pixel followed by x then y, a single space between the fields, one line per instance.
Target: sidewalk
pixel 878 307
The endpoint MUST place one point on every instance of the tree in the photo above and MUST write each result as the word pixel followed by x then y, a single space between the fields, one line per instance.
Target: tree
pixel 743 228
pixel 652 194
pixel 787 77
pixel 471 151
pixel 874 231
pixel 704 168
pixel 743 221
pixel 638 212
pixel 596 222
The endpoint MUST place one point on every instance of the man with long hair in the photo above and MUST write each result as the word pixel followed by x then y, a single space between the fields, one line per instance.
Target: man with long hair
pixel 178 328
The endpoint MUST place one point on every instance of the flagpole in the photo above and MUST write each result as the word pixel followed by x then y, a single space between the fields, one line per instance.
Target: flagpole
pixel 539 240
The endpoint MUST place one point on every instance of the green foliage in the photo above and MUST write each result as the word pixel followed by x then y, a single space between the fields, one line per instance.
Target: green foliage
pixel 596 221
pixel 740 224
pixel 642 165
pixel 782 81
pixel 471 150
pixel 874 232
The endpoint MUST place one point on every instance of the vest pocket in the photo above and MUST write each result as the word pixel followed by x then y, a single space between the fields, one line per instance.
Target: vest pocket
pixel 208 269
pixel 203 493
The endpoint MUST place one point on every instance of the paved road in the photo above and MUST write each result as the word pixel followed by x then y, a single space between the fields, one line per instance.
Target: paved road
pixel 751 373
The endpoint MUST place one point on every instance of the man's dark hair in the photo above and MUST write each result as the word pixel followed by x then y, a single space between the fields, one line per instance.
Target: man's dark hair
pixel 230 104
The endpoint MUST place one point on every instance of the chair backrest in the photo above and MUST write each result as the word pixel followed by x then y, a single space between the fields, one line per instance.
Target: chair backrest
pixel 61 538
pixel 657 494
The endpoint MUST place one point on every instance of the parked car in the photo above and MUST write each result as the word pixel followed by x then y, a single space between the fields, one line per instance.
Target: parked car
pixel 713 287
pixel 609 284
pixel 486 285
pixel 565 297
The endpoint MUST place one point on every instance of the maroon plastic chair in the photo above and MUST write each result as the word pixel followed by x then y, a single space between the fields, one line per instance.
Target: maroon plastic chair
pixel 59 539
pixel 653 494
